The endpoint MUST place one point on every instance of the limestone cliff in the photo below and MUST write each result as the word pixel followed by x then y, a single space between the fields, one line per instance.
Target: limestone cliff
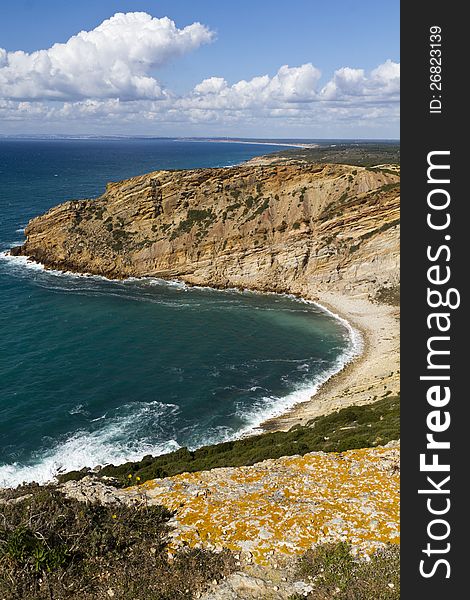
pixel 288 228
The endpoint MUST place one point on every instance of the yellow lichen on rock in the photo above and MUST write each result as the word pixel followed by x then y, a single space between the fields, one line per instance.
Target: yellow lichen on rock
pixel 287 505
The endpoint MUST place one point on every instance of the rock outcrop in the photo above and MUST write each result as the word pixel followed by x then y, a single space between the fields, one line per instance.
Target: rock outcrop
pixel 287 228
pixel 275 509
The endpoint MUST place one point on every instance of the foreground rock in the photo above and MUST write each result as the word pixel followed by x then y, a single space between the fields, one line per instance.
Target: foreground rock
pixel 276 509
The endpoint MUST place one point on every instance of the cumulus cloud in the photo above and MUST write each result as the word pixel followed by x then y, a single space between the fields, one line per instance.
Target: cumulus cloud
pixel 387 77
pixel 290 84
pixel 293 86
pixel 111 61
pixel 104 79
pixel 382 83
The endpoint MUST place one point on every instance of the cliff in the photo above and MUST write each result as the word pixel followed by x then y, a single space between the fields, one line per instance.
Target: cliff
pixel 287 228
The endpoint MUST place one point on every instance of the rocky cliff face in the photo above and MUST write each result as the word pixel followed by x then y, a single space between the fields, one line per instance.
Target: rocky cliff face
pixel 287 228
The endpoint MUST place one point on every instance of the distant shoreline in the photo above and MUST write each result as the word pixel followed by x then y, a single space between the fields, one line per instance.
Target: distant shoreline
pixel 230 141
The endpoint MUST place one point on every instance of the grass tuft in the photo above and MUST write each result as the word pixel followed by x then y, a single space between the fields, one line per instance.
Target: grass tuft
pixel 56 548
pixel 335 574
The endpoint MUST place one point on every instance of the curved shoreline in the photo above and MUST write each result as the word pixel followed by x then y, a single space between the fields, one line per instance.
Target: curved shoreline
pixel 371 375
pixel 371 372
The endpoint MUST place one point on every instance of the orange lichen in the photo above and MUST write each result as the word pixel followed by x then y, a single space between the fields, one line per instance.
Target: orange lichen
pixel 286 505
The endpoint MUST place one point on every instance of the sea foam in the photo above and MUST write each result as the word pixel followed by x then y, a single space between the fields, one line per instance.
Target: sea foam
pixel 114 442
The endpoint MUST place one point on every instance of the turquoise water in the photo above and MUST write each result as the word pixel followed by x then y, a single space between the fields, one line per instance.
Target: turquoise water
pixel 94 371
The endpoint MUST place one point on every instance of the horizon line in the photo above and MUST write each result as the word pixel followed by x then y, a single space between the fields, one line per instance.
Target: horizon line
pixel 188 138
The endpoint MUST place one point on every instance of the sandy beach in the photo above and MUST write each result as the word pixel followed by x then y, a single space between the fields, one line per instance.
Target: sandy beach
pixel 369 377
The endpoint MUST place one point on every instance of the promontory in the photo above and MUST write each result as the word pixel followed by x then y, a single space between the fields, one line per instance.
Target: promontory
pixel 323 231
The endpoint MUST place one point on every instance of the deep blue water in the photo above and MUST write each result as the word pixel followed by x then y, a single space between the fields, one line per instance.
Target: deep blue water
pixel 94 371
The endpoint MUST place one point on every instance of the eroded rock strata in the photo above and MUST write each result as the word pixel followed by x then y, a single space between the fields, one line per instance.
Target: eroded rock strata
pixel 287 228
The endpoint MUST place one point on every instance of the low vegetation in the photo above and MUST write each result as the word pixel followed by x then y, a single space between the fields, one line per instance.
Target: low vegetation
pixel 388 295
pixel 334 574
pixel 353 427
pixel 366 154
pixel 201 218
pixel 56 548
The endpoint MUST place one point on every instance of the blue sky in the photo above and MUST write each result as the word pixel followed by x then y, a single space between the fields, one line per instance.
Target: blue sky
pixel 242 41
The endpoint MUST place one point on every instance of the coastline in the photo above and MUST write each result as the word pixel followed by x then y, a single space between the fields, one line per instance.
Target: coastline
pixel 372 374
pixel 234 141
pixel 340 281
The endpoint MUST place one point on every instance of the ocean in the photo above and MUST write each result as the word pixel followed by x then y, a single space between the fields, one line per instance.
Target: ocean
pixel 94 371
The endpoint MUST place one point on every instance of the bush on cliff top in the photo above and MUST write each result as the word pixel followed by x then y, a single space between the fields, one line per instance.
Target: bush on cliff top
pixel 365 154
pixel 56 548
pixel 353 427
pixel 334 573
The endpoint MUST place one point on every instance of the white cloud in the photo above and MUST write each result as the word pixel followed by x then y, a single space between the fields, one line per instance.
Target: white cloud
pixel 382 83
pixel 387 77
pixel 290 84
pixel 111 61
pixel 213 85
pixel 296 87
pixel 103 79
pixel 3 57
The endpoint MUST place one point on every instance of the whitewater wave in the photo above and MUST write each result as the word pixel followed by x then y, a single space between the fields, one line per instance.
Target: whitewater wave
pixel 117 441
pixel 79 409
pixel 272 406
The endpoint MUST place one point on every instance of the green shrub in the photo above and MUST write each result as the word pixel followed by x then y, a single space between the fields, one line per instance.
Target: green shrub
pixel 349 428
pixel 260 209
pixel 388 295
pixel 332 563
pixel 203 218
pixel 363 154
pixel 334 573
pixel 56 548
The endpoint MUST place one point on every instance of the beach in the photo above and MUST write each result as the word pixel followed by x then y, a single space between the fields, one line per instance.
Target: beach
pixel 374 373
pixel 257 143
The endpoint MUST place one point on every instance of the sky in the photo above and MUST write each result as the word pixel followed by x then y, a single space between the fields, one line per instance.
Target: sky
pixel 250 68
